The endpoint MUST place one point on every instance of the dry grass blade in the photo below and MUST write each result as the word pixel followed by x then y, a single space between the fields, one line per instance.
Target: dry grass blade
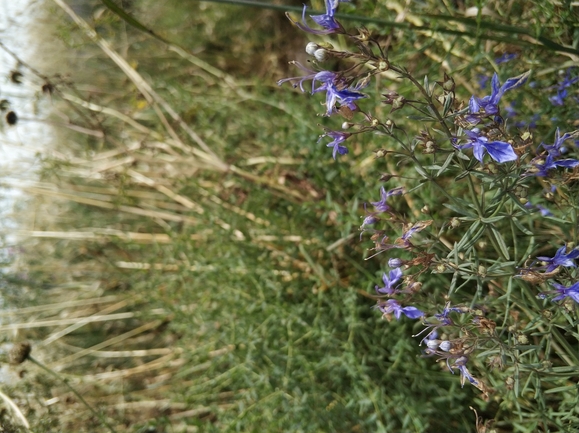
pixel 55 336
pixel 108 205
pixel 71 321
pixel 15 409
pixel 143 86
pixel 60 305
pixel 164 361
pixel 119 338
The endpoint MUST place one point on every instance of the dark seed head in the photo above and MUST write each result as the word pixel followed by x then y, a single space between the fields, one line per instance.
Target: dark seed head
pixel 11 118
pixel 19 353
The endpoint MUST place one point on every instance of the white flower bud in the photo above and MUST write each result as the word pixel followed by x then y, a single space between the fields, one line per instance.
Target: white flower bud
pixel 321 54
pixel 311 48
pixel 445 345
pixel 432 344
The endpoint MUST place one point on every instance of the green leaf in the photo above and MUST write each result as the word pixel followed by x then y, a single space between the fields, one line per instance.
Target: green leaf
pixel 427 85
pixel 445 165
pixel 421 172
pixel 460 211
pixel 421 118
pixel 472 235
pixel 492 220
pixel 500 242
pixel 561 389
pixel 447 104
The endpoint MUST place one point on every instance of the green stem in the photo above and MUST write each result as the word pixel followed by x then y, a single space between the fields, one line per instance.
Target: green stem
pixel 442 123
pixel 74 391
pixel 514 31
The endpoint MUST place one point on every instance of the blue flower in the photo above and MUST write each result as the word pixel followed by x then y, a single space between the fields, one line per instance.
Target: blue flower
pixel 559 98
pixel 338 138
pixel 500 151
pixel 391 281
pixel 567 292
pixel 415 228
pixel 483 80
pixel 557 149
pixel 542 209
pixel 489 105
pixel 322 76
pixel 395 262
pixel 326 21
pixel 392 306
pixel 542 170
pixel 460 363
pixel 337 88
pixel 560 259
pixel 381 205
pixel 345 96
pixel 507 57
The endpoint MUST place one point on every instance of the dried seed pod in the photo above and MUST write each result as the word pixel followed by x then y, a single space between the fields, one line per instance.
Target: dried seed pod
pixel 19 353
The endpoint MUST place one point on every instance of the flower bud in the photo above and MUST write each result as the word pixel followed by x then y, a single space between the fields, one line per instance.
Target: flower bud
pixel 321 54
pixel 445 345
pixel 385 177
pixel 398 103
pixel 395 262
pixel 432 344
pixel 522 339
pixel 429 147
pixel 448 84
pixel 383 66
pixel 311 48
pixel 425 209
pixel 454 222
pixel 510 383
pixel 364 81
pixel 380 153
pixel 482 271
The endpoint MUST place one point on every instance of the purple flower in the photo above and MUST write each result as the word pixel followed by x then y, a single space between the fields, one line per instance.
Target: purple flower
pixel 322 76
pixel 346 96
pixel 460 363
pixel 338 138
pixel 483 80
pixel 392 306
pixel 326 21
pixel 443 320
pixel 336 86
pixel 560 259
pixel 542 170
pixel 567 292
pixel 500 151
pixel 415 228
pixel 559 98
pixel 390 282
pixel 395 262
pixel 542 209
pixel 489 105
pixel 381 205
pixel 507 57
pixel 370 219
pixel 557 149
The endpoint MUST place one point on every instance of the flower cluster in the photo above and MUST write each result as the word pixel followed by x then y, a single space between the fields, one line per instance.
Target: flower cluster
pixel 477 208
